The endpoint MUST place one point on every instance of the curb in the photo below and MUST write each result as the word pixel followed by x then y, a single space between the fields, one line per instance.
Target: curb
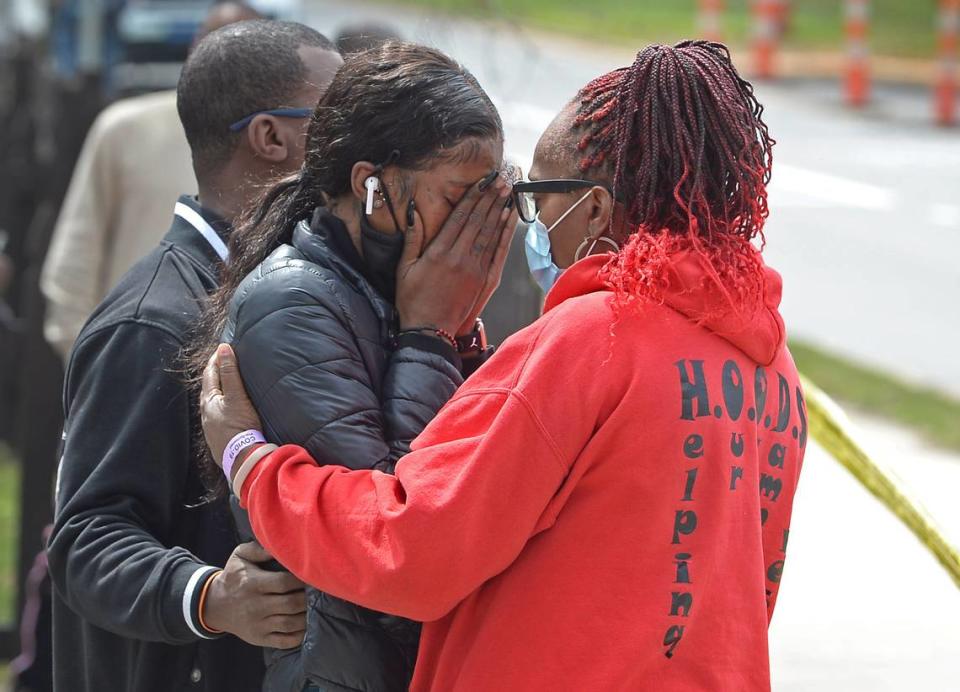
pixel 819 64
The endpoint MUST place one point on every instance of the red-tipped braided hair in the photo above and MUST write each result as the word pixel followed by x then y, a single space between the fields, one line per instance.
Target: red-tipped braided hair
pixel 683 137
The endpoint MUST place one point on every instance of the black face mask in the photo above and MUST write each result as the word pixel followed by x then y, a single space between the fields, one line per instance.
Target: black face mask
pixel 381 254
pixel 382 251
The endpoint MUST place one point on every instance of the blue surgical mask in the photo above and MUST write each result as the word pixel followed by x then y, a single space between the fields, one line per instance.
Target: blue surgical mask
pixel 537 244
pixel 544 270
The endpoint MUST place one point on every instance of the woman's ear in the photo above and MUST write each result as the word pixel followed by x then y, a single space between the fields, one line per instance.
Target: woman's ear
pixel 600 211
pixel 358 178
pixel 268 139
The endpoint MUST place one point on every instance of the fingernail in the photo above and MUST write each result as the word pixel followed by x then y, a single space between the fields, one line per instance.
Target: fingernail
pixel 410 218
pixel 487 179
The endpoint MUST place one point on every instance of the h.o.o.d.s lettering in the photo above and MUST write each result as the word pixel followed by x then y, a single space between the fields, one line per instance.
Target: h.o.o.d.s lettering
pixel 760 413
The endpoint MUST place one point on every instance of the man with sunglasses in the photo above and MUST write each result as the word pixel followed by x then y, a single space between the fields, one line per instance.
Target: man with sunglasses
pixel 138 544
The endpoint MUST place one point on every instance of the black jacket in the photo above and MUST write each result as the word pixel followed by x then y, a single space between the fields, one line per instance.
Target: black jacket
pixel 133 538
pixel 317 350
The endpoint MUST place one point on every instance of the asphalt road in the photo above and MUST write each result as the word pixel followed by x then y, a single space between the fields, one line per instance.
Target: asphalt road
pixel 865 207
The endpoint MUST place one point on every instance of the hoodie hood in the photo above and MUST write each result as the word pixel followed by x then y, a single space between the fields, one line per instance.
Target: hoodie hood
pixel 692 290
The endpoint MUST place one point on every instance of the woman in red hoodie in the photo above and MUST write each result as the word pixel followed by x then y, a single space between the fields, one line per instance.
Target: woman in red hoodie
pixel 606 503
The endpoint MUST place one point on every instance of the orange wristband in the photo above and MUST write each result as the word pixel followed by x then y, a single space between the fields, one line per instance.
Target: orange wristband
pixel 203 599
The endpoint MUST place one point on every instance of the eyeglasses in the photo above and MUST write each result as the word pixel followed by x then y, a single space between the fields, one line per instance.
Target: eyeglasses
pixel 280 112
pixel 524 193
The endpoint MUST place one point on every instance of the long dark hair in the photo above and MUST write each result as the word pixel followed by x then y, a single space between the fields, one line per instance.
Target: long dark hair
pixel 398 97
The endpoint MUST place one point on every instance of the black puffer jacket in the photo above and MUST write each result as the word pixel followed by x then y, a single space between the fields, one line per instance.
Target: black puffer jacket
pixel 317 350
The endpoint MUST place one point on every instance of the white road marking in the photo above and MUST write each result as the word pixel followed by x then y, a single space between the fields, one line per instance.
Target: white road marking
pixel 834 190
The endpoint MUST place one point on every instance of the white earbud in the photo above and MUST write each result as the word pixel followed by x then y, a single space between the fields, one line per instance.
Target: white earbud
pixel 372 183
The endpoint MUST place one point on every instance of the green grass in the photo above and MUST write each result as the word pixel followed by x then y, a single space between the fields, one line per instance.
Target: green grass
pixel 9 533
pixel 904 28
pixel 932 414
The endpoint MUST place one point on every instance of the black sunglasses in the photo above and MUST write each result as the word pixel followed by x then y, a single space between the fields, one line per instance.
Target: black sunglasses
pixel 523 193
pixel 279 112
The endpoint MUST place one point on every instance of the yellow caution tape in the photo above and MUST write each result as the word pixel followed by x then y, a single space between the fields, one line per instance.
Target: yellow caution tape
pixel 830 427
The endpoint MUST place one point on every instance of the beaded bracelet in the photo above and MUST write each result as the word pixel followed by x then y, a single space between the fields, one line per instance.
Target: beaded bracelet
pixel 442 333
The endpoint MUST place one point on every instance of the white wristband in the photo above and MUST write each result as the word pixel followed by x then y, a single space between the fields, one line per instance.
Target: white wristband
pixel 236 445
pixel 247 466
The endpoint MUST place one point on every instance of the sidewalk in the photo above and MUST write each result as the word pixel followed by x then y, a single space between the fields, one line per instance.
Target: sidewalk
pixel 863 605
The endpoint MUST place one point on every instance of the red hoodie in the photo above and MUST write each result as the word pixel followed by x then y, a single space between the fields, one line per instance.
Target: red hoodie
pixel 604 505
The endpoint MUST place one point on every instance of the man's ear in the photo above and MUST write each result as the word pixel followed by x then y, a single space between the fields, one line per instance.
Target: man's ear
pixel 268 140
pixel 600 211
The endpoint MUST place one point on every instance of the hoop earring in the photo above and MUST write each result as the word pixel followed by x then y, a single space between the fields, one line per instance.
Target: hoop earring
pixel 610 241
